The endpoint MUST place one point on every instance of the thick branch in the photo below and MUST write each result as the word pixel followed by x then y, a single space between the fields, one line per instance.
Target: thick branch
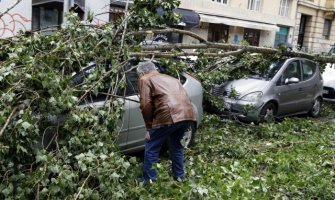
pixel 12 114
pixel 230 48
pixel 171 55
pixel 170 30
pixel 220 46
pixel 125 27
pixel 82 186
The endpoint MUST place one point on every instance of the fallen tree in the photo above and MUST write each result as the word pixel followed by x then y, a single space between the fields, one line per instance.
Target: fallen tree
pixel 35 85
pixel 222 49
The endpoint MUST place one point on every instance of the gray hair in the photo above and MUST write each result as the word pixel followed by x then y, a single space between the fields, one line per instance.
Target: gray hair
pixel 145 67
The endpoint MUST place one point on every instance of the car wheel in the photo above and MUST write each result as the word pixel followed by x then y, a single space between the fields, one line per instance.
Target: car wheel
pixel 316 108
pixel 268 112
pixel 188 137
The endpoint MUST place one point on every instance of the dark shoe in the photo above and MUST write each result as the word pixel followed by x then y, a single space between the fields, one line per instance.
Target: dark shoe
pixel 179 179
pixel 145 181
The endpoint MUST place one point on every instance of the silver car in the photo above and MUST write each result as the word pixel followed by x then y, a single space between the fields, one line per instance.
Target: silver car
pixel 132 128
pixel 288 87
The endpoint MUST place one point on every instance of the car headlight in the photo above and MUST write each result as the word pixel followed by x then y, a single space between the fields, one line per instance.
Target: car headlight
pixel 252 97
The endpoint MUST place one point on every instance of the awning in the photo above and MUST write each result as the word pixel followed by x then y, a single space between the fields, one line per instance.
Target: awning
pixel 189 18
pixel 121 3
pixel 238 22
pixel 79 3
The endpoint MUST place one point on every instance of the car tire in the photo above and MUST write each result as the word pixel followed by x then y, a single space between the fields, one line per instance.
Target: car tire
pixel 316 108
pixel 268 112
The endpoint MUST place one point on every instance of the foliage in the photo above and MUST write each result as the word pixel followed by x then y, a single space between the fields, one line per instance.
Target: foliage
pixel 291 159
pixel 40 102
pixel 144 13
pixel 287 160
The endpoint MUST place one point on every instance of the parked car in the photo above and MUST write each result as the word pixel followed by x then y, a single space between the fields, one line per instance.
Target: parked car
pixel 331 51
pixel 288 87
pixel 132 127
pixel 329 82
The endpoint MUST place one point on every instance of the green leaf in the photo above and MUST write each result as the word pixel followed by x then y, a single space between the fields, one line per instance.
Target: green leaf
pixel 26 125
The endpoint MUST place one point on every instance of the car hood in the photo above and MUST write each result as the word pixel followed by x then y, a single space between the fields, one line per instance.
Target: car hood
pixel 247 85
pixel 329 83
pixel 329 76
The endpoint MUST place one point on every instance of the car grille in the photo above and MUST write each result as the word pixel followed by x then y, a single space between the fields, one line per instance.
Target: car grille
pixel 220 90
pixel 217 90
pixel 330 91
pixel 228 93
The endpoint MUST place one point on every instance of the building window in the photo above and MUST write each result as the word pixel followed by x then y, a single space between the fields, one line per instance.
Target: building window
pixel 46 18
pixel 284 7
pixel 326 28
pixel 116 13
pixel 48 15
pixel 218 33
pixel 254 5
pixel 221 1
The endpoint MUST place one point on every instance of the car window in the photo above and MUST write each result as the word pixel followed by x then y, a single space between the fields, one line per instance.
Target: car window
pixel 132 83
pixel 271 71
pixel 332 51
pixel 130 89
pixel 292 70
pixel 79 77
pixel 308 68
pixel 132 77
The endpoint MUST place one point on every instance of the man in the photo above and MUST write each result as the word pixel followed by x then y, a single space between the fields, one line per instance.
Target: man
pixel 167 111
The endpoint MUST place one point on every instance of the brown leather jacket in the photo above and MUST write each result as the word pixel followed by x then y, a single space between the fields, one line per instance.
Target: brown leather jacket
pixel 163 100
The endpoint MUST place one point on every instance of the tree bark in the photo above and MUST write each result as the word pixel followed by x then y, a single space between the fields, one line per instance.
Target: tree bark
pixel 229 49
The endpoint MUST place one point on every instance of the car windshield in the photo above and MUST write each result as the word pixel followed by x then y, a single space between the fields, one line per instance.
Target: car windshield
pixel 269 72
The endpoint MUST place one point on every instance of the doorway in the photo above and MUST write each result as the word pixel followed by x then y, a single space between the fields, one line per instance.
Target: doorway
pixel 302 30
pixel 252 36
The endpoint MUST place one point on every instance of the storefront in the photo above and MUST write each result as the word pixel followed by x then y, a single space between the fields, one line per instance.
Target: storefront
pixel 232 30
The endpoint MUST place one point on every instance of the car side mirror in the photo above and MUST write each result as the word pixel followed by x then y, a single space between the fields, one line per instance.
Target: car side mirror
pixel 291 80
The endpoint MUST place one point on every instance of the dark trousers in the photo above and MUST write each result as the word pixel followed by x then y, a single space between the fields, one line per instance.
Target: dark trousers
pixel 158 136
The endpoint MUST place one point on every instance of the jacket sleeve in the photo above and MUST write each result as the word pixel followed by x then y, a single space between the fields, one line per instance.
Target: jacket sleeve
pixel 146 104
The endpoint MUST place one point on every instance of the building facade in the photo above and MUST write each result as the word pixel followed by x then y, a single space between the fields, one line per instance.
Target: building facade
pixel 304 24
pixel 47 14
pixel 18 18
pixel 314 25
pixel 259 22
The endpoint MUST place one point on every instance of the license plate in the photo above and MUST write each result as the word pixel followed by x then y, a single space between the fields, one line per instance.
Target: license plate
pixel 325 92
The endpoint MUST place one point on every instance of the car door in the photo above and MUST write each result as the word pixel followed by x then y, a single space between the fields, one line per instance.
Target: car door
pixel 122 126
pixel 136 126
pixel 289 94
pixel 310 84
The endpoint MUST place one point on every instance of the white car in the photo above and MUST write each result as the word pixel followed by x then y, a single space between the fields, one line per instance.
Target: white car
pixel 329 83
